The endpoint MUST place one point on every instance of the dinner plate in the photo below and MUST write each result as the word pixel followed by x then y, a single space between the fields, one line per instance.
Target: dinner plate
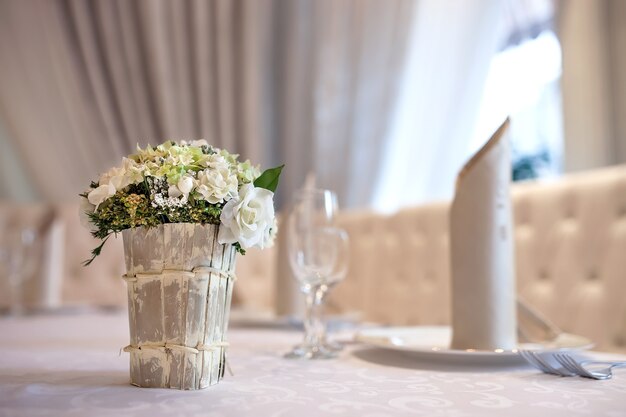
pixel 433 342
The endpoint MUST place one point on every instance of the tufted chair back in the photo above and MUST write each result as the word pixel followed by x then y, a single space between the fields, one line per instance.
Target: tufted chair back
pixel 570 258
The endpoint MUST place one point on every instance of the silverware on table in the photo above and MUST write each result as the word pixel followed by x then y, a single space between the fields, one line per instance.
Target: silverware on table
pixel 582 367
pixel 570 366
pixel 536 360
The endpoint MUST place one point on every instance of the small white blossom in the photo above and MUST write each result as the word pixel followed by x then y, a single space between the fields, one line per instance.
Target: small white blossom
pixel 183 187
pixel 173 191
pixel 168 202
pixel 199 143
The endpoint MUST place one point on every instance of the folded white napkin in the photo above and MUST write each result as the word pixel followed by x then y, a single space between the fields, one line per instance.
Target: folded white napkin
pixel 534 327
pixel 482 251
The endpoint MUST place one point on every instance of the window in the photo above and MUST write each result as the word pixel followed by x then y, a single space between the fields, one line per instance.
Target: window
pixel 523 82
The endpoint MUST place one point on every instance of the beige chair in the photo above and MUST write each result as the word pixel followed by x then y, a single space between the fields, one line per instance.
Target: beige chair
pixel 98 284
pixel 570 258
pixel 41 282
pixel 255 289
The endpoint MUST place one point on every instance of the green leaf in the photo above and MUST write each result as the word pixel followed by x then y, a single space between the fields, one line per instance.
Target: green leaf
pixel 96 252
pixel 239 249
pixel 269 178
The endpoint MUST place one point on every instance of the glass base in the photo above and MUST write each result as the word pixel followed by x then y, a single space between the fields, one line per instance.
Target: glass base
pixel 335 346
pixel 325 351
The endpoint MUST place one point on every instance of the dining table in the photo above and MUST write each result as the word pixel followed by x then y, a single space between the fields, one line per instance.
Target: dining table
pixel 72 365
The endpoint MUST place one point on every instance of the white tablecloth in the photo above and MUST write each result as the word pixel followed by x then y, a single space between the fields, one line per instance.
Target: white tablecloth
pixel 71 366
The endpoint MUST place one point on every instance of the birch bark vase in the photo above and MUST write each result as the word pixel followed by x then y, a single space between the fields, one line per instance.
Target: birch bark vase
pixel 180 282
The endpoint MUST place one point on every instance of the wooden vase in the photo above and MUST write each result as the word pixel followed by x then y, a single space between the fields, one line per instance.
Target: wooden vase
pixel 180 282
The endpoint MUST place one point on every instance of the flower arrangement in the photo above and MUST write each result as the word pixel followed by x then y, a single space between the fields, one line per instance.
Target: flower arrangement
pixel 184 182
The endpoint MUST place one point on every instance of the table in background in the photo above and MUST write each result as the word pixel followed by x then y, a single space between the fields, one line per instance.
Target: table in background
pixel 72 366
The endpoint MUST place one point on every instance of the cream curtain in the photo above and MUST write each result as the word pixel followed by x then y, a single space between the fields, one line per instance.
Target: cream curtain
pixel 308 83
pixel 593 40
pixel 451 46
pixel 359 72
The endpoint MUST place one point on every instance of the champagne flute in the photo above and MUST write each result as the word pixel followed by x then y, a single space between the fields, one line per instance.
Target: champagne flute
pixel 318 257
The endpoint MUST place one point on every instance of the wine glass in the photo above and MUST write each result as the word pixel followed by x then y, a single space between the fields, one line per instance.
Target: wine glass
pixel 16 263
pixel 318 255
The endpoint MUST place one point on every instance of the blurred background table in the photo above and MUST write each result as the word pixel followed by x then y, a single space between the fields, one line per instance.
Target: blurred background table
pixel 71 365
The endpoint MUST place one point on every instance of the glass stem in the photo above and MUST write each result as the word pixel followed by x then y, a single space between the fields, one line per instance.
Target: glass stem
pixel 15 308
pixel 313 326
pixel 319 303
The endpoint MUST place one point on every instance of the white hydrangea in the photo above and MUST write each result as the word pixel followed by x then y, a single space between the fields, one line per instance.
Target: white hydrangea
pixel 179 156
pixel 217 183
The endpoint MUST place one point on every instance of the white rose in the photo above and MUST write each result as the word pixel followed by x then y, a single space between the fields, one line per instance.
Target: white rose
pixel 217 183
pixel 248 218
pixel 215 161
pixel 100 194
pixel 84 210
pixel 270 237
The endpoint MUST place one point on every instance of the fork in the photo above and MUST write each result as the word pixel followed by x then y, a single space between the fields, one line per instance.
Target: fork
pixel 577 367
pixel 540 363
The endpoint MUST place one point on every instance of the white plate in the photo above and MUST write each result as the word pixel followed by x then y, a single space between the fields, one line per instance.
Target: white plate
pixel 432 342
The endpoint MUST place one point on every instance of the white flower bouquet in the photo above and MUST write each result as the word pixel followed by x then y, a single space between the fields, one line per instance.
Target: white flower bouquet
pixel 184 182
